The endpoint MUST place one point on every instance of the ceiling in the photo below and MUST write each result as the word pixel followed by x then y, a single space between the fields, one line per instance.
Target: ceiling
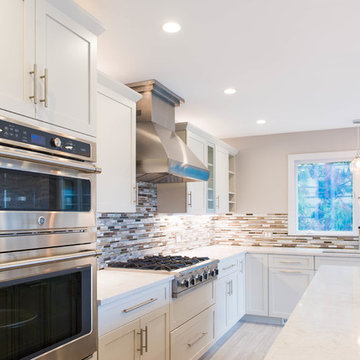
pixel 294 63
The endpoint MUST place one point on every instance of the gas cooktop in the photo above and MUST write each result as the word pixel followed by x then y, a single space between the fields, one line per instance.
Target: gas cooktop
pixel 188 272
pixel 159 262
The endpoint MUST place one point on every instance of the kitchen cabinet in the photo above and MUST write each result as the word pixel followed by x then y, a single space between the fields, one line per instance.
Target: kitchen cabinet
pixel 145 338
pixel 116 146
pixel 66 58
pixel 338 260
pixel 222 180
pixel 230 293
pixel 49 69
pixel 286 287
pixel 192 339
pixel 17 18
pixel 196 190
pixel 122 340
pixel 257 284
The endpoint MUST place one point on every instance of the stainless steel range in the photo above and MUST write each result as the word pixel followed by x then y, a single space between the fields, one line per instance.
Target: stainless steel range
pixel 189 272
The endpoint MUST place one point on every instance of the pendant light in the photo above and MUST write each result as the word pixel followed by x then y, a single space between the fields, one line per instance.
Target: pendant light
pixel 355 164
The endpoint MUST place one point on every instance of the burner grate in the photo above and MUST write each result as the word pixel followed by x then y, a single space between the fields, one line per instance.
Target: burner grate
pixel 159 262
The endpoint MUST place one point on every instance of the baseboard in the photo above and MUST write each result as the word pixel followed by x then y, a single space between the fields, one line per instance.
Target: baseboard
pixel 263 320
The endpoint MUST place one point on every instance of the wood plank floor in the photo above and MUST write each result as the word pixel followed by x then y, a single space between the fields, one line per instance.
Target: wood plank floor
pixel 245 341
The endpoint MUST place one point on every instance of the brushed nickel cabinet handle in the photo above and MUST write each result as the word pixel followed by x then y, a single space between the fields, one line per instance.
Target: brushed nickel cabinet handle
pixel 132 308
pixel 141 349
pixel 289 262
pixel 228 267
pixel 218 202
pixel 34 73
pixel 136 200
pixel 197 339
pixel 45 77
pixel 290 271
pixel 190 199
pixel 146 339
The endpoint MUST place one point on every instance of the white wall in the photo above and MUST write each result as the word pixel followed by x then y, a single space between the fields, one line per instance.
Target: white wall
pixel 262 165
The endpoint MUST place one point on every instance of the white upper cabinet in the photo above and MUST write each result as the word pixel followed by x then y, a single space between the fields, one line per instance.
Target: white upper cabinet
pixel 48 70
pixel 17 34
pixel 66 58
pixel 116 146
pixel 222 179
pixel 196 191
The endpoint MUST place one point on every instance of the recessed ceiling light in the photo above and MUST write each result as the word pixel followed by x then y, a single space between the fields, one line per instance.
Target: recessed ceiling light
pixel 261 122
pixel 171 27
pixel 230 91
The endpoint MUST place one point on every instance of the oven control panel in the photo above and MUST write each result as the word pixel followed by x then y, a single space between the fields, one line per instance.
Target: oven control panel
pixel 25 135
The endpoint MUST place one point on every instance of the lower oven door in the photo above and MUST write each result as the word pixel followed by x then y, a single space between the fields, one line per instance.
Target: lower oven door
pixel 48 308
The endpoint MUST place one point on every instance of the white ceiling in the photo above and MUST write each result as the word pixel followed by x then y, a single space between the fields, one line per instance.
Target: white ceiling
pixel 295 63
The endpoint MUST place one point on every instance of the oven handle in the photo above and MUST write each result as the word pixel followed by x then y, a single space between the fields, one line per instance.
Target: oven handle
pixel 37 261
pixel 42 159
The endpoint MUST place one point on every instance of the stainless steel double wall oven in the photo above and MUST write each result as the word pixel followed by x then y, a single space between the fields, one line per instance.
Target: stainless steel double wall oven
pixel 47 244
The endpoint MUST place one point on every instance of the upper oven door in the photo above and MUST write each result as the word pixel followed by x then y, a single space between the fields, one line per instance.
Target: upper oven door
pixel 39 192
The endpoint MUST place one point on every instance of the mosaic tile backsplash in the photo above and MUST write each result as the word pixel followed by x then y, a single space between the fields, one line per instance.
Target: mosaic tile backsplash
pixel 125 235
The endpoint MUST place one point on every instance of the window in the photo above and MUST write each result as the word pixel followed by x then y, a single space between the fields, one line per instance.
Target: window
pixel 321 195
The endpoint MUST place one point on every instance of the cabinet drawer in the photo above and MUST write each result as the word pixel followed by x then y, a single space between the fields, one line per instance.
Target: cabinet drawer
pixel 229 265
pixel 192 339
pixel 189 305
pixel 329 260
pixel 291 262
pixel 117 313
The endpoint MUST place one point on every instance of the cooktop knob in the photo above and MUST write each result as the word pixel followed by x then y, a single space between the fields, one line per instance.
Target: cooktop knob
pixel 186 283
pixel 192 281
pixel 205 275
pixel 56 142
pixel 216 271
pixel 200 278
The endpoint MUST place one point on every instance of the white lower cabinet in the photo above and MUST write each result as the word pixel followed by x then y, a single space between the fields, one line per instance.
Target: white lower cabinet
pixel 190 340
pixel 257 284
pixel 145 338
pixel 339 261
pixel 230 294
pixel 286 287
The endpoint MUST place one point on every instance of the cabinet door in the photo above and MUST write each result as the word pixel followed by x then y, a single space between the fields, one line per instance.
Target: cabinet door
pixel 116 153
pixel 155 334
pixel 196 190
pixel 17 41
pixel 121 343
pixel 232 300
pixel 285 290
pixel 221 288
pixel 257 284
pixel 67 52
pixel 241 287
pixel 222 180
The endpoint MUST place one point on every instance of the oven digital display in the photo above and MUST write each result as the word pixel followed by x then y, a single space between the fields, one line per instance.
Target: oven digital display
pixel 38 139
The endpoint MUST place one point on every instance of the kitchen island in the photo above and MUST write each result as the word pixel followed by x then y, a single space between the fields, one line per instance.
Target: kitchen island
pixel 326 322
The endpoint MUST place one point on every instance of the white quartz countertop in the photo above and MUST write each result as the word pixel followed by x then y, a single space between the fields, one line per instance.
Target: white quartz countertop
pixel 223 251
pixel 114 284
pixel 325 325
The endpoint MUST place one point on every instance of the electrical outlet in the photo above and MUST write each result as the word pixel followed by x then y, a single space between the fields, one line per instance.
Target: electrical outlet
pixel 268 234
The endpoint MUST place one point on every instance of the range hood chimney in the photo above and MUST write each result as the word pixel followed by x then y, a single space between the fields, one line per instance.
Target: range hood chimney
pixel 161 156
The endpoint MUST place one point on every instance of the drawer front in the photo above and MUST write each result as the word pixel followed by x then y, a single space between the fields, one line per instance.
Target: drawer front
pixel 118 313
pixel 190 304
pixel 192 339
pixel 229 265
pixel 291 262
pixel 344 261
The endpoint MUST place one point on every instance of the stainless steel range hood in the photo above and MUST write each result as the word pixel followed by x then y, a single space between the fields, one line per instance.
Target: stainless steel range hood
pixel 161 156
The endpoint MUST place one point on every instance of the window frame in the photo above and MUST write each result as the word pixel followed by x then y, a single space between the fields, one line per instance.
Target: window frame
pixel 295 159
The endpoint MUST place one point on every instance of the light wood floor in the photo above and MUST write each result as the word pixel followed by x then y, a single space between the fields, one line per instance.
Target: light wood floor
pixel 245 341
